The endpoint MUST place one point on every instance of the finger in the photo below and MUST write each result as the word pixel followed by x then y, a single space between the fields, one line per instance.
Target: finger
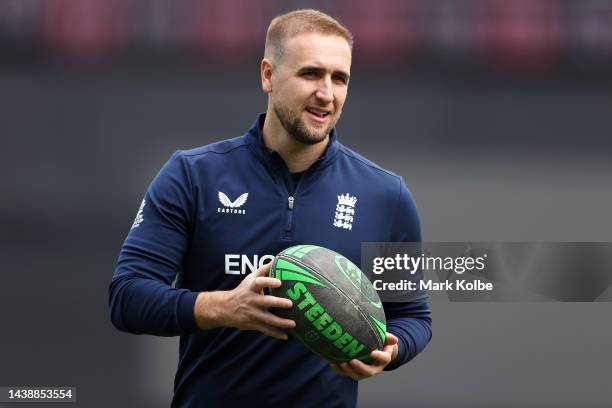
pixel 391 345
pixel 391 339
pixel 351 372
pixel 364 370
pixel 261 282
pixel 273 301
pixel 392 349
pixel 341 369
pixel 269 319
pixel 263 271
pixel 382 357
pixel 389 350
pixel 271 331
pixel 337 369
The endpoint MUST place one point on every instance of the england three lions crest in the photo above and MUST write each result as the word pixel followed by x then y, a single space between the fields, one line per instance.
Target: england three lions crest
pixel 345 211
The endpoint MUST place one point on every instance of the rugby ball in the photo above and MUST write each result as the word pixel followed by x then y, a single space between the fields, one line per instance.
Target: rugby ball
pixel 337 312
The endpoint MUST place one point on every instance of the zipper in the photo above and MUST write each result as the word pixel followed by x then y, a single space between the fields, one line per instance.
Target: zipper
pixel 288 233
pixel 290 203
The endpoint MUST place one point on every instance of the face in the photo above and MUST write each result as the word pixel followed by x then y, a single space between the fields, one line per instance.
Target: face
pixel 308 86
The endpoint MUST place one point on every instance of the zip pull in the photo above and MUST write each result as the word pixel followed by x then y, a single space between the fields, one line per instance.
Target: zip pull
pixel 288 233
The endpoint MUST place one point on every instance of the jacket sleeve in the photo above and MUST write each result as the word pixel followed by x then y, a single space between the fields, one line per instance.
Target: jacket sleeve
pixel 141 296
pixel 409 321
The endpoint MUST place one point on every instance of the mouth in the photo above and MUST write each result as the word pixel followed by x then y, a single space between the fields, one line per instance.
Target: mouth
pixel 318 115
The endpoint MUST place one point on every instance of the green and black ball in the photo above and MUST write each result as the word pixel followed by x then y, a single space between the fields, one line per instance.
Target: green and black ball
pixel 337 312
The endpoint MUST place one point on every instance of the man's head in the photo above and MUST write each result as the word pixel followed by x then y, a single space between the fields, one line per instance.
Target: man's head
pixel 305 72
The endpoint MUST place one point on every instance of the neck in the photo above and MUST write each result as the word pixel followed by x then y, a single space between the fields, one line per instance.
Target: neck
pixel 298 156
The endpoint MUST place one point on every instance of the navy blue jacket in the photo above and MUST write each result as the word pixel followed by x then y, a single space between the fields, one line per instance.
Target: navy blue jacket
pixel 216 212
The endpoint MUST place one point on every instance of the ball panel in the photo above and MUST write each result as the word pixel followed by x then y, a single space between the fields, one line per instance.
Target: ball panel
pixel 285 270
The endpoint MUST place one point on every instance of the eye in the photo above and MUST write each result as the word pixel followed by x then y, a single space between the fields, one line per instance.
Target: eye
pixel 340 78
pixel 309 74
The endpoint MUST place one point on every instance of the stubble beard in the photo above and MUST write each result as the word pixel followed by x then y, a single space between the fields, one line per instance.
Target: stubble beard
pixel 296 128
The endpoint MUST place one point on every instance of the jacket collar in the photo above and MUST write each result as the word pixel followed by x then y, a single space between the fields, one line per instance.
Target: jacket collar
pixel 254 138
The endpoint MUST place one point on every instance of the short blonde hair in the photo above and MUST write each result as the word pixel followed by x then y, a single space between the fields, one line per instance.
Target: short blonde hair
pixel 298 22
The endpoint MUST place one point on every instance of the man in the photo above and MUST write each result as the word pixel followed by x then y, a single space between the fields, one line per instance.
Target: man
pixel 214 212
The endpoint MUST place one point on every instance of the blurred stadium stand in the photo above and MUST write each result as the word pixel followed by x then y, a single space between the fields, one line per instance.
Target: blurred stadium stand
pixel 507 36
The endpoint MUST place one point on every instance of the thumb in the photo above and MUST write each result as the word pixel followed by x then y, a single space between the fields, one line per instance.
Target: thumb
pixel 391 339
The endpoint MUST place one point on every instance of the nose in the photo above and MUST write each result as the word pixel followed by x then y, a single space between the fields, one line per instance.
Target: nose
pixel 325 92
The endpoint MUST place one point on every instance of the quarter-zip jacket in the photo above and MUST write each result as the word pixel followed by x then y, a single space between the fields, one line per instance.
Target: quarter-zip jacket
pixel 212 214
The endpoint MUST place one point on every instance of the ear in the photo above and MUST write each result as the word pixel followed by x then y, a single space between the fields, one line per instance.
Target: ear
pixel 266 75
